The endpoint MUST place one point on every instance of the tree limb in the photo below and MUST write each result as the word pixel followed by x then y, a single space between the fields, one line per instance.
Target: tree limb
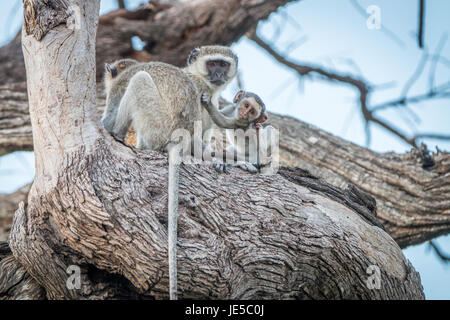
pixel 420 32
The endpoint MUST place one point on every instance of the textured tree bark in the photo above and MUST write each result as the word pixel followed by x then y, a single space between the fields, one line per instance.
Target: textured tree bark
pixel 102 206
pixel 413 199
pixel 8 205
pixel 15 282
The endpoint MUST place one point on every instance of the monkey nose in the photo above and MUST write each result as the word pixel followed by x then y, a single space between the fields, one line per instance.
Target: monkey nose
pixel 242 113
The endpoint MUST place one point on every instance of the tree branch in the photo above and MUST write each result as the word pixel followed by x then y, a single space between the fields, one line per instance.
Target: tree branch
pixel 420 33
pixel 364 88
pixel 444 257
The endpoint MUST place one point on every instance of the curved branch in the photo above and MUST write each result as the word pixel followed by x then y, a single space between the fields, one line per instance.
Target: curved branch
pixel 332 159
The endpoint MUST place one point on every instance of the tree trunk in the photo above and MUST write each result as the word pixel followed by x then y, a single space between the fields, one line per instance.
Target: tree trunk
pixel 102 206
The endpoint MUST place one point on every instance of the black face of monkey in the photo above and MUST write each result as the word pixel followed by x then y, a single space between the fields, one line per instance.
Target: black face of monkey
pixel 218 71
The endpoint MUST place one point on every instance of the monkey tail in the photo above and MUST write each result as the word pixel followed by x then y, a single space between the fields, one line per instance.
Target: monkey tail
pixel 174 174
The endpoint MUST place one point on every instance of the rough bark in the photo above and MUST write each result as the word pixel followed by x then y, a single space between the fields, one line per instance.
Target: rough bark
pixel 15 127
pixel 101 205
pixel 413 198
pixel 8 205
pixel 15 282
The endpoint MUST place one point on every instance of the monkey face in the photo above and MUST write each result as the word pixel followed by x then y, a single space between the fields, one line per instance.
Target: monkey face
pixel 119 66
pixel 249 109
pixel 218 71
pixel 111 69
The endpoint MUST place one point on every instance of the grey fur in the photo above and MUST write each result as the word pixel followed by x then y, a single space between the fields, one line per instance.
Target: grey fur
pixel 112 83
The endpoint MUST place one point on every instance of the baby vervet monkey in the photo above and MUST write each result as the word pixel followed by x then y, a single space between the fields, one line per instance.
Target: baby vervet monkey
pixel 247 108
pixel 247 112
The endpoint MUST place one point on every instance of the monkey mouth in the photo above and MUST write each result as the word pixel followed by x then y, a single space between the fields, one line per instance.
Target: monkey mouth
pixel 218 82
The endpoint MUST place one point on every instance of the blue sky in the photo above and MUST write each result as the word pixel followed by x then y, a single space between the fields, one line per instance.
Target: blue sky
pixel 334 35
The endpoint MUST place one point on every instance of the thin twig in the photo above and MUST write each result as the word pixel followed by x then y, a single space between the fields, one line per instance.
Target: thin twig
pixel 416 75
pixel 445 258
pixel 434 61
pixel 420 34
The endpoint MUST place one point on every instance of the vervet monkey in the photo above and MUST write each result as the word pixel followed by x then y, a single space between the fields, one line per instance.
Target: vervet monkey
pixel 113 70
pixel 247 111
pixel 158 98
pixel 247 107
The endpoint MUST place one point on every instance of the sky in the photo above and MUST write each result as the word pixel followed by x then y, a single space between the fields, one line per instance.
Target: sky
pixel 334 35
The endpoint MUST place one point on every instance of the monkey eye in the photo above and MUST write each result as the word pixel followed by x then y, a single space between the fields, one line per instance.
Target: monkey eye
pixel 252 112
pixel 210 64
pixel 247 105
pixel 224 64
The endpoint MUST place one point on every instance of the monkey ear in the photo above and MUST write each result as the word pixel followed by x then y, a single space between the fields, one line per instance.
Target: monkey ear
pixel 263 118
pixel 193 56
pixel 238 96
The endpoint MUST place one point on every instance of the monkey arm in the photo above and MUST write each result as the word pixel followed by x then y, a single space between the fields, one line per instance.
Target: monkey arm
pixel 228 110
pixel 219 118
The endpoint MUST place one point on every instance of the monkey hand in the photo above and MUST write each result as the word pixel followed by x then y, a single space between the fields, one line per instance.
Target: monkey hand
pixel 246 166
pixel 206 97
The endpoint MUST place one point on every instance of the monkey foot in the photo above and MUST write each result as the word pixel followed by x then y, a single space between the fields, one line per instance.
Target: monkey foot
pixel 219 166
pixel 247 166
